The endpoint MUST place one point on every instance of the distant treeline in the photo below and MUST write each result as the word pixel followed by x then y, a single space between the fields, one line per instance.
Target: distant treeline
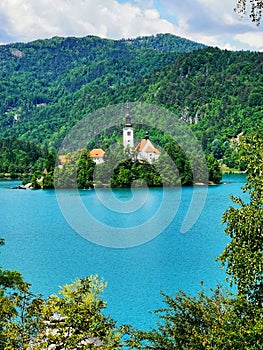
pixel 18 158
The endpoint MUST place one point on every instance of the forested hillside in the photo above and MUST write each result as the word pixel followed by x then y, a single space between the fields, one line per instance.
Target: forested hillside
pixel 44 82
pixel 218 92
pixel 48 85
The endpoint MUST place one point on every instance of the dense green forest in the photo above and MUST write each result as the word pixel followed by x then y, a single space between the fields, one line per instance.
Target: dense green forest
pixel 18 157
pixel 47 86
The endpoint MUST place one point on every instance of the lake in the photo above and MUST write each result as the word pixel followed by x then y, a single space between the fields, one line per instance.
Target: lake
pixel 50 246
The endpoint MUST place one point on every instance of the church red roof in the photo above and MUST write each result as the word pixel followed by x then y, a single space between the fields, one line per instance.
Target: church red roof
pixel 97 153
pixel 146 146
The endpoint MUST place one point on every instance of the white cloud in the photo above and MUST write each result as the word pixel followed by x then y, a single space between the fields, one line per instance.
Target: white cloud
pixel 29 19
pixel 152 14
pixel 211 22
pixel 252 39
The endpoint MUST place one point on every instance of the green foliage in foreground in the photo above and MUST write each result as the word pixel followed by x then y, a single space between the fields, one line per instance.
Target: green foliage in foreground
pixel 214 321
pixel 74 319
pixel 71 320
pixel 243 255
pixel 203 322
pixel 252 8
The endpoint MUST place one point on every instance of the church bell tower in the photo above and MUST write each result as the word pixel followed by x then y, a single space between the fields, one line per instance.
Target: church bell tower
pixel 128 140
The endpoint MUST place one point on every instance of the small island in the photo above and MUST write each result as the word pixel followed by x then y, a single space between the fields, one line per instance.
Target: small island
pixel 131 164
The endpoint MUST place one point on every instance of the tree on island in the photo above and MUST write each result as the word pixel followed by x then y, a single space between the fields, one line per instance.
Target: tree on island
pixel 122 169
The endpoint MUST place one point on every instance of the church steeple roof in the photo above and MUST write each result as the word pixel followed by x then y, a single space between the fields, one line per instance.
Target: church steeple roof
pixel 128 139
pixel 128 118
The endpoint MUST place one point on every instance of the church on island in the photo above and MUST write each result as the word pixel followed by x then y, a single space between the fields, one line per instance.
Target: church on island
pixel 145 150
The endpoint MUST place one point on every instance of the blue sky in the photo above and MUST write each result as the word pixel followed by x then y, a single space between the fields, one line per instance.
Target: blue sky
pixel 212 22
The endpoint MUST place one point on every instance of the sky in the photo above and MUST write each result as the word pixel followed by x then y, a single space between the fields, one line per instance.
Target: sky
pixel 211 22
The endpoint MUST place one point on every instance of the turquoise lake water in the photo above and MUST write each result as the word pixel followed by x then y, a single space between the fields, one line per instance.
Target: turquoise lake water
pixel 50 250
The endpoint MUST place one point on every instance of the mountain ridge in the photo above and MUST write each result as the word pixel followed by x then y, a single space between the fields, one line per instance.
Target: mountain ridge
pixel 49 85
